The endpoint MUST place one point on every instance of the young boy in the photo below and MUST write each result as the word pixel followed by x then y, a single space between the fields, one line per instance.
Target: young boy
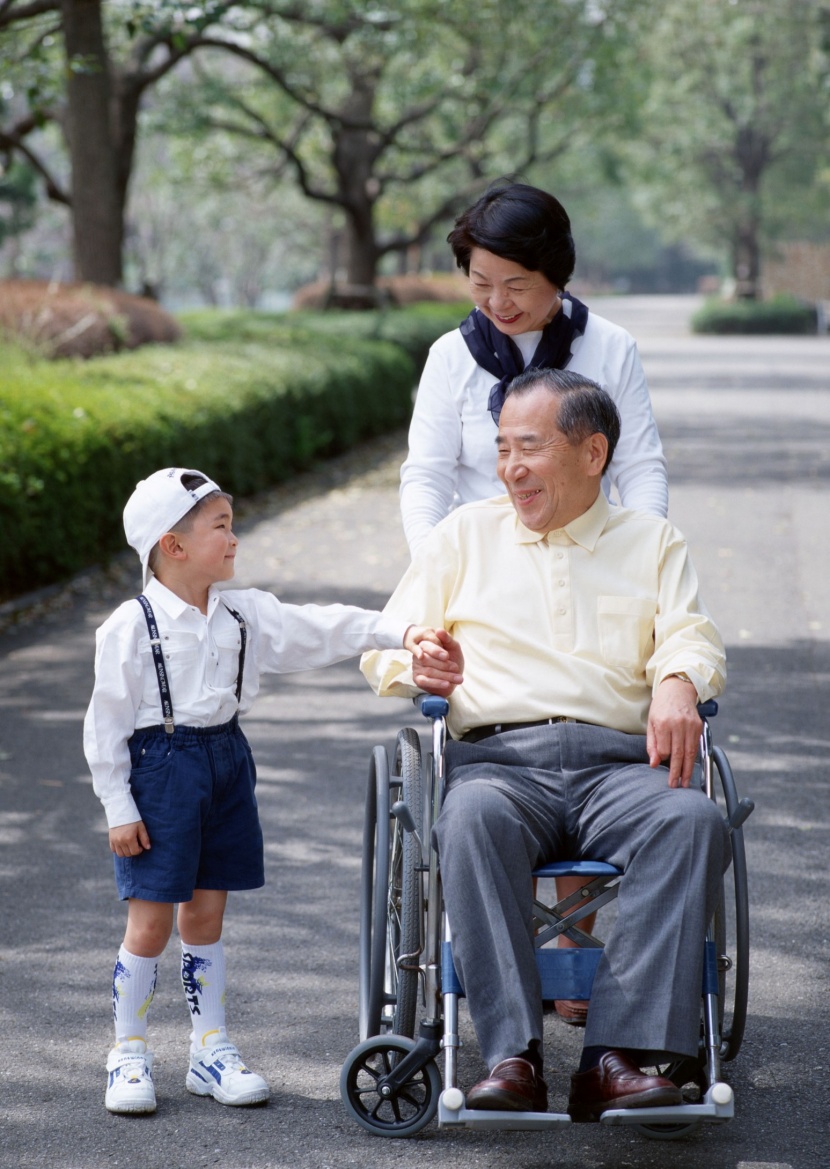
pixel 174 668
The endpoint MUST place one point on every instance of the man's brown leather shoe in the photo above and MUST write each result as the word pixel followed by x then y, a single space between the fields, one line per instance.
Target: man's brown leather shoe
pixel 616 1082
pixel 514 1085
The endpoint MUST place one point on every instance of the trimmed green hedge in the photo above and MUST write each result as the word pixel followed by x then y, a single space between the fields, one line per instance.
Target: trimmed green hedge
pixel 782 314
pixel 414 328
pixel 249 398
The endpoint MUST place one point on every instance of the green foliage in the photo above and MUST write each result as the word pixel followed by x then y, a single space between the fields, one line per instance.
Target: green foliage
pixel 782 314
pixel 251 399
pixel 397 116
pixel 414 329
pixel 735 128
pixel 17 200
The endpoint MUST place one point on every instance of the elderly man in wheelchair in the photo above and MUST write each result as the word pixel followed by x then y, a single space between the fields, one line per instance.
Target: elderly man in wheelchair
pixel 577 652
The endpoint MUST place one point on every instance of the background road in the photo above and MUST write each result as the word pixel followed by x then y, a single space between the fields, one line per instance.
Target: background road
pixel 746 426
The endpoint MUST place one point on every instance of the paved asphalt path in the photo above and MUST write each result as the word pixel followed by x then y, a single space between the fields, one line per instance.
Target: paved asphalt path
pixel 746 425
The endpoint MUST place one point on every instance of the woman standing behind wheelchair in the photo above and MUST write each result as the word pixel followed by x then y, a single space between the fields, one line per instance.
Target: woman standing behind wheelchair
pixel 516 247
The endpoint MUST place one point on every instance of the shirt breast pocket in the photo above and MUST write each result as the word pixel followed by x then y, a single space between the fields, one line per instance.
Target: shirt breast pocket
pixel 181 660
pixel 181 650
pixel 626 630
pixel 227 643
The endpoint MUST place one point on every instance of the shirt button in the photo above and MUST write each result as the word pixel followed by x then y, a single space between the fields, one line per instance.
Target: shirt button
pixel 562 612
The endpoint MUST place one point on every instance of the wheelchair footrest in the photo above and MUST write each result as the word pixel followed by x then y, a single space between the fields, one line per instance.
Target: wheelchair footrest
pixel 475 1118
pixel 717 1107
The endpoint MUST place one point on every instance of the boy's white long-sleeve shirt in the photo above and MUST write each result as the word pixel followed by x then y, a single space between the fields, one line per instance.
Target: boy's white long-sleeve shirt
pixel 201 656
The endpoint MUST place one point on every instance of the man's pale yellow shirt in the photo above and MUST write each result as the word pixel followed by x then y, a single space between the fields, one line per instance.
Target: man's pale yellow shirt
pixel 584 622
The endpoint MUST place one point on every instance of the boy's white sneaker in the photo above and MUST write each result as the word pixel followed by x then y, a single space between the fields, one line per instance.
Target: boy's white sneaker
pixel 218 1071
pixel 130 1078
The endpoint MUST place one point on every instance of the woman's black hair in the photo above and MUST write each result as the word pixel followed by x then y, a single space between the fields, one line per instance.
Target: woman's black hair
pixel 520 223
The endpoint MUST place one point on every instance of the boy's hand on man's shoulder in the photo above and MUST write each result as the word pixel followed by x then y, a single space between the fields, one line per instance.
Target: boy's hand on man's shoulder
pixel 129 839
pixel 437 660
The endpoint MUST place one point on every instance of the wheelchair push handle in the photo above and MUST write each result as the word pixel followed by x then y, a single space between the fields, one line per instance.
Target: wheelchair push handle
pixel 432 706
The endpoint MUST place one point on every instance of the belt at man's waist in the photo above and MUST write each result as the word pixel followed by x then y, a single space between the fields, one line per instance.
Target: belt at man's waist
pixel 477 733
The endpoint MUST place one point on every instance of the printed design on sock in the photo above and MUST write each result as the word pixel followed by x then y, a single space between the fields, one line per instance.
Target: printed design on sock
pixel 145 1006
pixel 120 974
pixel 192 979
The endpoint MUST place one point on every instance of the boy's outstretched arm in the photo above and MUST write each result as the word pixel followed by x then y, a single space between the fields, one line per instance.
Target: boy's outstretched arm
pixel 129 839
pixel 437 660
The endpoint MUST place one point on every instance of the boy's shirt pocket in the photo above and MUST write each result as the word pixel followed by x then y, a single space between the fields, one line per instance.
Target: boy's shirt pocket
pixel 183 655
pixel 223 666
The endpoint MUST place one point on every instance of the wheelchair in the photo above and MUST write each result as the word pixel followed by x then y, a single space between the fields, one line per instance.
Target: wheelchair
pixel 390 1083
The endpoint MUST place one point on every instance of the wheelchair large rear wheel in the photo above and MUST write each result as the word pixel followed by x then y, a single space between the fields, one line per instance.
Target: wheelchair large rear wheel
pixel 732 924
pixel 391 893
pixel 731 927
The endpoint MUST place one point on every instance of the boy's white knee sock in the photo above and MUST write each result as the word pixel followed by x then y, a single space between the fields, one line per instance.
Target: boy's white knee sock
pixel 133 986
pixel 203 979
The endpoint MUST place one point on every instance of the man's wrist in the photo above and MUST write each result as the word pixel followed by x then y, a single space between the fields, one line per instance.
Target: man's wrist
pixel 682 676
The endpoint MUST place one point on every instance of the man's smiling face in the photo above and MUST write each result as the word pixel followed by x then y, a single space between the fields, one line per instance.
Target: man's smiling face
pixel 549 479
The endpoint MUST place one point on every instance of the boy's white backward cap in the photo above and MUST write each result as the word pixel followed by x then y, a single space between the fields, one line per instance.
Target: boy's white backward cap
pixel 157 505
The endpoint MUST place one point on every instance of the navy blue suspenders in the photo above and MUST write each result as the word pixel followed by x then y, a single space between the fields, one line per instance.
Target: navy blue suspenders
pixel 161 671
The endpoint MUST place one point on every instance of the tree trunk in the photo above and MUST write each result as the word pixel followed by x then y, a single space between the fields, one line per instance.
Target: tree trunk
pixel 753 154
pixel 746 261
pixel 355 153
pixel 97 211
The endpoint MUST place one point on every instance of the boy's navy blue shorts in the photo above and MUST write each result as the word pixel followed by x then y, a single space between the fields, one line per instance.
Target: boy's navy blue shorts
pixel 195 793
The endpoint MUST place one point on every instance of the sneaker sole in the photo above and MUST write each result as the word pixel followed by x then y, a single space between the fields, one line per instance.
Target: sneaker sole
pixel 200 1088
pixel 136 1109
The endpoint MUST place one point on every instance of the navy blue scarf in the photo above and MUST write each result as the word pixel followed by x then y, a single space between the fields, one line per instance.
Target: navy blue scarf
pixel 500 355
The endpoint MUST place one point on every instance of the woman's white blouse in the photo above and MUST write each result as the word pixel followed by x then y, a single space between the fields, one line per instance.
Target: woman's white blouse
pixel 452 438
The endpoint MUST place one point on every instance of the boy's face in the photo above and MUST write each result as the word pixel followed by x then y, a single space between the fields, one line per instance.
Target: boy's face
pixel 210 543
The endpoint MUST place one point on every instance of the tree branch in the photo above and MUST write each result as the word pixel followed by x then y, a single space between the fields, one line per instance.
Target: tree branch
pixel 12 143
pixel 287 145
pixel 278 75
pixel 10 15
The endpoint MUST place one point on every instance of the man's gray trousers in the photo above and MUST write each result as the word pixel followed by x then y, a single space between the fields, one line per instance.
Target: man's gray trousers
pixel 574 791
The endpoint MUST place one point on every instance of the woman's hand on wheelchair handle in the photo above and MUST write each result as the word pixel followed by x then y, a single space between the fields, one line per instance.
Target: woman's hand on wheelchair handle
pixel 437 661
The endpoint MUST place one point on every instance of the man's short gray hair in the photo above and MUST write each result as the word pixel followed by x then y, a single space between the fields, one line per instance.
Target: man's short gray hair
pixel 585 408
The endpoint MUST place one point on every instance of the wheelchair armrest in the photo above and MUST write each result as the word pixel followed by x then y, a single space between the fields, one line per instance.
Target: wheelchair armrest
pixel 432 706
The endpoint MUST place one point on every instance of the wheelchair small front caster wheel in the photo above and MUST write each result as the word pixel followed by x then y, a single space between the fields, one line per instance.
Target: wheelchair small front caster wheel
pixel 405 1112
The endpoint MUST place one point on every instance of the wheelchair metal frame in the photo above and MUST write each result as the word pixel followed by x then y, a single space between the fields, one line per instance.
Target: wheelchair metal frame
pixel 390 1083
